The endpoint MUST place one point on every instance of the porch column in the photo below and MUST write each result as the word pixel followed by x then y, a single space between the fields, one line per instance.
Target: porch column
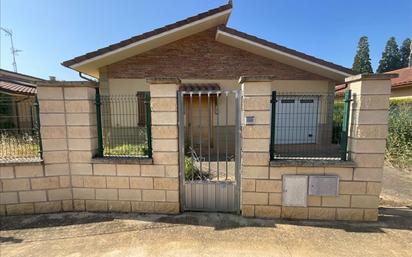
pixel 163 102
pixel 368 127
pixel 255 147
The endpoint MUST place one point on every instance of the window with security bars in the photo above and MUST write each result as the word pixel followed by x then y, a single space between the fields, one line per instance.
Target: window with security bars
pixel 124 125
pixel 19 128
pixel 309 126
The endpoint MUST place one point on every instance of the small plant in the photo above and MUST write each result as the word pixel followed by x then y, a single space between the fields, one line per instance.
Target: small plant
pixel 192 172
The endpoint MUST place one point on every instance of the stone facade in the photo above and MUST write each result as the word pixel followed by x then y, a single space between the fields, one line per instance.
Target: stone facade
pixel 69 178
pixel 360 179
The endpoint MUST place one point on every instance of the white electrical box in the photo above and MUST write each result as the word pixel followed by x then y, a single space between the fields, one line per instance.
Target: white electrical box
pixel 295 190
pixel 324 185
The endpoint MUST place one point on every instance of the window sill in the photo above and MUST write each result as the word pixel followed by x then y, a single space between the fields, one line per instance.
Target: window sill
pixel 123 160
pixel 21 162
pixel 312 163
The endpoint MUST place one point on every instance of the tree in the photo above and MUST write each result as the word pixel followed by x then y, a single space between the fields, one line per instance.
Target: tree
pixel 362 61
pixel 391 58
pixel 405 52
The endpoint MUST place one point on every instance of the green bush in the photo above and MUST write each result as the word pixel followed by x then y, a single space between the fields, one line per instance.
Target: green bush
pixel 399 141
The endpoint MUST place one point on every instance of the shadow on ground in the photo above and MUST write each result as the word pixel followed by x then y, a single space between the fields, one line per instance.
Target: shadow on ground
pixel 392 218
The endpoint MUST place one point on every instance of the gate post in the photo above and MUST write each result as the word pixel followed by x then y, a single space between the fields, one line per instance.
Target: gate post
pixel 367 133
pixel 255 145
pixel 163 103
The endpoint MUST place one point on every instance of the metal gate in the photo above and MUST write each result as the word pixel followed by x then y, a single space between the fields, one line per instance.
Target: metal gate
pixel 209 150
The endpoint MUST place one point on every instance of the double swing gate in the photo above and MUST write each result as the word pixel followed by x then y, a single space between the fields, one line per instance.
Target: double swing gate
pixel 209 150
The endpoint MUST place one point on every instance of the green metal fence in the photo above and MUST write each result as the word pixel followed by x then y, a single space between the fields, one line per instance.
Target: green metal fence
pixel 309 126
pixel 19 128
pixel 124 125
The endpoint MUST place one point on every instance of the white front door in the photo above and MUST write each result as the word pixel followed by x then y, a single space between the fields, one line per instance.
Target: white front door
pixel 296 119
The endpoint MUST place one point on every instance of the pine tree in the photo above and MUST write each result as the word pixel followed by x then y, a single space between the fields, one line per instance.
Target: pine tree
pixel 391 58
pixel 405 52
pixel 362 61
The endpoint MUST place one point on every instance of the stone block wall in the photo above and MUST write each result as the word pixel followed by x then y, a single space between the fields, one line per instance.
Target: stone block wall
pixel 359 179
pixel 29 188
pixel 70 178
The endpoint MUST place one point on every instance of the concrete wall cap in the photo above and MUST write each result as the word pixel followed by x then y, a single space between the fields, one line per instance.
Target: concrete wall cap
pixel 163 80
pixel 380 76
pixel 257 78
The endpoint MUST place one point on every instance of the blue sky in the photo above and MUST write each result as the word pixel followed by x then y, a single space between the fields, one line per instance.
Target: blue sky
pixel 52 31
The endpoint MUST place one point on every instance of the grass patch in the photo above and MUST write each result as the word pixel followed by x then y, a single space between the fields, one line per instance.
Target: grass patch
pixel 19 146
pixel 127 150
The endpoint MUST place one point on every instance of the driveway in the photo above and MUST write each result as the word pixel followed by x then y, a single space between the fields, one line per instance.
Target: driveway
pixel 202 234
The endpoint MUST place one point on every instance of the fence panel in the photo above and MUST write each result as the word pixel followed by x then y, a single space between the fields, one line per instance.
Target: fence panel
pixel 307 126
pixel 124 125
pixel 19 128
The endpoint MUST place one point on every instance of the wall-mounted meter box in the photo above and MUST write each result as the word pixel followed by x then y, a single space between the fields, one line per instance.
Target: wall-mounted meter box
pixel 250 120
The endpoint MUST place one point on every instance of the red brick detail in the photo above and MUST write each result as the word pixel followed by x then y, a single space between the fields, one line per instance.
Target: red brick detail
pixel 200 56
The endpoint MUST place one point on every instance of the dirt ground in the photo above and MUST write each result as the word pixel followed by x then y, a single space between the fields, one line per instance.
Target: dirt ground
pixel 396 188
pixel 213 234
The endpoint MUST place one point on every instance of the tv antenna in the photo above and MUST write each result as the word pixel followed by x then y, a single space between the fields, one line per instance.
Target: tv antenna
pixel 14 51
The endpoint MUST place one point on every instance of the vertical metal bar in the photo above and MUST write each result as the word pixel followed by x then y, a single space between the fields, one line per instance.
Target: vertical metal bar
pixel 345 125
pixel 191 132
pixel 209 127
pixel 181 125
pixel 148 124
pixel 272 126
pixel 226 130
pixel 237 148
pixel 200 131
pixel 37 108
pixel 99 124
pixel 217 134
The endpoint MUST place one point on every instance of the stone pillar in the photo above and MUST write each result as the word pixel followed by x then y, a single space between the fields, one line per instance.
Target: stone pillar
pixel 367 136
pixel 255 148
pixel 163 102
pixel 68 131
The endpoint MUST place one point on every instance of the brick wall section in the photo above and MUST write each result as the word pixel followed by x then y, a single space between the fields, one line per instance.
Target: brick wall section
pixel 367 139
pixel 359 186
pixel 256 183
pixel 201 57
pixel 71 179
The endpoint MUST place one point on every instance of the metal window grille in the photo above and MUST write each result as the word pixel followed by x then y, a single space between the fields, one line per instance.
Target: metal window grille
pixel 309 126
pixel 124 125
pixel 19 128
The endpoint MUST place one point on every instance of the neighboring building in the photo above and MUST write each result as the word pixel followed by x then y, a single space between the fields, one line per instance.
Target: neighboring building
pixel 17 93
pixel 402 85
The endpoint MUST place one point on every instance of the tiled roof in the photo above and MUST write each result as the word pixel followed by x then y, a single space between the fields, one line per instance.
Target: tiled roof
pixel 18 87
pixel 196 87
pixel 146 35
pixel 285 49
pixel 405 77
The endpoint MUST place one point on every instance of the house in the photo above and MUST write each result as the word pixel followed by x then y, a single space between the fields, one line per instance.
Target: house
pixel 196 116
pixel 402 85
pixel 205 55
pixel 17 93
